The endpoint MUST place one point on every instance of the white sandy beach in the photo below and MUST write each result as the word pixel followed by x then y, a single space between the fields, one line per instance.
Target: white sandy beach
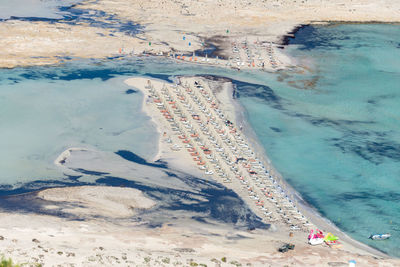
pixel 224 96
pixel 93 225
pixel 106 236
pixel 167 22
pixel 53 242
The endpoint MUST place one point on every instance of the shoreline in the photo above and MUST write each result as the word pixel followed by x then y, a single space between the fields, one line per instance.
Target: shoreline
pixel 182 163
pixel 249 133
pixel 307 209
pixel 280 41
pixel 285 37
pixel 195 242
pixel 311 213
pixel 91 222
pixel 103 29
pixel 163 152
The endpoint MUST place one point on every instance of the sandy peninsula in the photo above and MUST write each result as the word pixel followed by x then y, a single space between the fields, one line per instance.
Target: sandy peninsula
pixel 93 225
pixel 200 134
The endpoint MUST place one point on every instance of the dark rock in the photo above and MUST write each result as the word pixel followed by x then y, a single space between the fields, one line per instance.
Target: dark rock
pixel 286 247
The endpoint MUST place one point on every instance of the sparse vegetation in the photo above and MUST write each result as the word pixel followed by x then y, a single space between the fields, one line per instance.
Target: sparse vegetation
pixel 166 260
pixel 236 263
pixel 8 263
pixel 223 259
pixel 147 259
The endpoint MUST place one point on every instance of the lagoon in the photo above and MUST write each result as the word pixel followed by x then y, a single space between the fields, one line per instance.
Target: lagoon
pixel 331 128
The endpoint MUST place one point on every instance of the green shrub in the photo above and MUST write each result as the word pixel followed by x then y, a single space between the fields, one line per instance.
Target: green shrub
pixel 236 263
pixel 166 260
pixel 8 263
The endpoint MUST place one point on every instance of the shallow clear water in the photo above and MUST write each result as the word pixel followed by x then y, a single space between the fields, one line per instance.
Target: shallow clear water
pixel 336 139
pixel 45 110
pixel 65 12
pixel 337 143
pixel 33 8
pixel 41 118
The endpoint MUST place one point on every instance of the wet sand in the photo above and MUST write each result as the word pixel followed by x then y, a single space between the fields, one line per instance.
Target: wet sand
pixel 153 89
pixel 107 235
pixel 245 33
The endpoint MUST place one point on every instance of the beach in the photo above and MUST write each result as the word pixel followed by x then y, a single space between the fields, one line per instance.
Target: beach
pixel 50 241
pixel 179 28
pixel 210 195
pixel 106 234
pixel 224 95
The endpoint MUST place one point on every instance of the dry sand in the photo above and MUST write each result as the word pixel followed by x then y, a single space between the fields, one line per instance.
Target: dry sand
pixel 223 90
pixel 101 241
pixel 105 235
pixel 112 202
pixel 53 241
pixel 166 22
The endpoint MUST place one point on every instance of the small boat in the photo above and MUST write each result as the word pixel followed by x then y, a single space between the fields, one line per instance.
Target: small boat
pixel 380 236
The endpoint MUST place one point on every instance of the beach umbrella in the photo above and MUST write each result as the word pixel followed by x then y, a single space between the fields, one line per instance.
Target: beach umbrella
pixel 227 31
pixel 149 43
pixel 190 43
pixel 184 37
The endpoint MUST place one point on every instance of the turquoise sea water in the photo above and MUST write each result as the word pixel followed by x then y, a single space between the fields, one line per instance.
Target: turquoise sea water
pixel 42 117
pixel 331 128
pixel 337 139
pixel 85 104
pixel 34 8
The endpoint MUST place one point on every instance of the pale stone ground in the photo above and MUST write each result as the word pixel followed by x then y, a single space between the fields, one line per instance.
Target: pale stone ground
pixel 53 241
pixel 165 22
pixel 95 229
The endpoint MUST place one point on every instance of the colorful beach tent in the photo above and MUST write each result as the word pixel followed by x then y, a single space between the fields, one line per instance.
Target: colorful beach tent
pixel 330 239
